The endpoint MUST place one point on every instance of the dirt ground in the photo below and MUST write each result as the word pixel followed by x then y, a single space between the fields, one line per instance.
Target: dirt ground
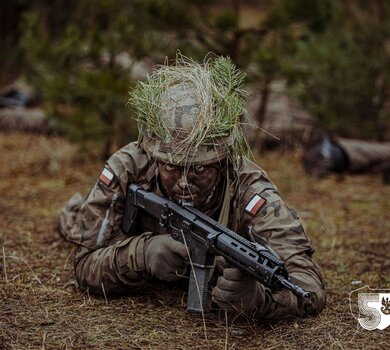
pixel 347 218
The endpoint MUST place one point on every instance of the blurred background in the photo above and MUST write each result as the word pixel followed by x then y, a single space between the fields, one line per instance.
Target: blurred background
pixel 322 63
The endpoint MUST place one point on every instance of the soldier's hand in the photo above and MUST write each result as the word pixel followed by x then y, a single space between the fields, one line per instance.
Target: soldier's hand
pixel 165 258
pixel 236 292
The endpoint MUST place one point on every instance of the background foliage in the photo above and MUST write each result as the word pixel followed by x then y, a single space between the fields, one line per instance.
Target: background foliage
pixel 80 56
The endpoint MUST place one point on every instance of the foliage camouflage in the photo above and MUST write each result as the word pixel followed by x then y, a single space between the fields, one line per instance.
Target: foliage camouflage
pixel 216 88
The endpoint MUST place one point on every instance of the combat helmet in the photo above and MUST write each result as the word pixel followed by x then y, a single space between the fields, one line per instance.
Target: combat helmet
pixel 190 113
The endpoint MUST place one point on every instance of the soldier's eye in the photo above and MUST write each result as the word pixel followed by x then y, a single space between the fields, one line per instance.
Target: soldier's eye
pixel 199 169
pixel 171 168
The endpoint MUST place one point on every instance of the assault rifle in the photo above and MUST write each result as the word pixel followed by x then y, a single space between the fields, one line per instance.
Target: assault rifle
pixel 206 238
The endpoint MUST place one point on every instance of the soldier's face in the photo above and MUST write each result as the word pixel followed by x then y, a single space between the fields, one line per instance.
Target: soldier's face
pixel 194 184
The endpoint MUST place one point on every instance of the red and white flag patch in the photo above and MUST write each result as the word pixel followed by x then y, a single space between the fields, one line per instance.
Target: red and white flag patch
pixel 255 204
pixel 106 176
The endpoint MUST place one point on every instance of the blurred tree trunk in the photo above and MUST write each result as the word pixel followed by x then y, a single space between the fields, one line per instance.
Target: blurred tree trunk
pixel 264 97
pixel 10 15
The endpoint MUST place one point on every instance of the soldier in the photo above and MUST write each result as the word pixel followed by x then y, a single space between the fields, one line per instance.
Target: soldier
pixel 191 148
pixel 326 154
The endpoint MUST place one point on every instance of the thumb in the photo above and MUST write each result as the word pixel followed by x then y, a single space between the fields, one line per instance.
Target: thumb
pixel 177 247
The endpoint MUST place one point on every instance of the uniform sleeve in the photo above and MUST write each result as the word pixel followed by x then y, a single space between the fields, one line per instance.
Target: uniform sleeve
pixel 107 261
pixel 270 222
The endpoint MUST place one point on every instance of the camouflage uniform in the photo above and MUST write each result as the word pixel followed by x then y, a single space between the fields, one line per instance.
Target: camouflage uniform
pixel 109 262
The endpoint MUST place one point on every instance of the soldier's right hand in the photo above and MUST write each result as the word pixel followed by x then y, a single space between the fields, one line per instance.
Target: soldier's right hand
pixel 165 258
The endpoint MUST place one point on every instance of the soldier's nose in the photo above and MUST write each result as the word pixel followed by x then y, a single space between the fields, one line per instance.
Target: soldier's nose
pixel 183 182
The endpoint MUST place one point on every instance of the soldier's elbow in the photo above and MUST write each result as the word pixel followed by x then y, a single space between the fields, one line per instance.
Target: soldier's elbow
pixel 84 277
pixel 317 304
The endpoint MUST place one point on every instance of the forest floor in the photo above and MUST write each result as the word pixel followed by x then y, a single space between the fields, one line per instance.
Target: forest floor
pixel 41 307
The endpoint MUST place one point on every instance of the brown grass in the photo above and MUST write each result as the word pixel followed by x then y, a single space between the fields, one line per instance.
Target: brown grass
pixel 348 219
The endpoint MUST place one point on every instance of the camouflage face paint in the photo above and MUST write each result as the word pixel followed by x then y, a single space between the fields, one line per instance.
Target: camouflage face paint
pixel 194 184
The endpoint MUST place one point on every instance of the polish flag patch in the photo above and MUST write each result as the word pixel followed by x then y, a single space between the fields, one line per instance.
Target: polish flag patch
pixel 106 176
pixel 255 204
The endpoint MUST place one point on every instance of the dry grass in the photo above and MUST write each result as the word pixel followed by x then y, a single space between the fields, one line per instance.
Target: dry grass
pixel 214 87
pixel 347 218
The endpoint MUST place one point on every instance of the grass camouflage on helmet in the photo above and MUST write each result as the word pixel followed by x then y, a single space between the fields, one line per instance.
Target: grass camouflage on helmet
pixel 190 113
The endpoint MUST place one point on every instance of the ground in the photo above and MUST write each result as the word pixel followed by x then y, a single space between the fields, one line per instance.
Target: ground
pixel 347 218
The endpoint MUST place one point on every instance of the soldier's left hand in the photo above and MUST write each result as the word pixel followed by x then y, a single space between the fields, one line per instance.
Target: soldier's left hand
pixel 236 292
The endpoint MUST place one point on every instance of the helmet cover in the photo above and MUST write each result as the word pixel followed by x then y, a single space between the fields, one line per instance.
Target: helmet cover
pixel 189 113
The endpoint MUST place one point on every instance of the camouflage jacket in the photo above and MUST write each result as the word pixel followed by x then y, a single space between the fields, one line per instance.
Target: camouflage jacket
pixel 106 263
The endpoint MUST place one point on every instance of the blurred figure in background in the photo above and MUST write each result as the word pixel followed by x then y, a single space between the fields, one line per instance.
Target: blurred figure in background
pixel 327 154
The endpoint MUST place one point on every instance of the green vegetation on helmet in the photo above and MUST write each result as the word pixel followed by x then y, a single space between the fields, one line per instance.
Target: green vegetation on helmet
pixel 191 113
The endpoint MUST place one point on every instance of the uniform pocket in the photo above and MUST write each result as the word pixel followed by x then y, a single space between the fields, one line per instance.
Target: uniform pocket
pixel 107 223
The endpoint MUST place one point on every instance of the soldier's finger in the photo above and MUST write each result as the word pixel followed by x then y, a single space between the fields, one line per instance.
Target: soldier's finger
pixel 177 262
pixel 227 285
pixel 178 248
pixel 221 263
pixel 233 274
pixel 221 299
pixel 218 295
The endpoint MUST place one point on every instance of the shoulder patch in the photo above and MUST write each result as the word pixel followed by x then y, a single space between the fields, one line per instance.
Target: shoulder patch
pixel 255 204
pixel 106 176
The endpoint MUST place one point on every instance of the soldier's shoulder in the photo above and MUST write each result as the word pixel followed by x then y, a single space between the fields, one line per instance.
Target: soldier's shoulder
pixel 255 187
pixel 252 175
pixel 130 158
pixel 248 167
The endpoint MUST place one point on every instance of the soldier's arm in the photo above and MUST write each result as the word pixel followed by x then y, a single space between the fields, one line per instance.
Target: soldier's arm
pixel 277 226
pixel 107 261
